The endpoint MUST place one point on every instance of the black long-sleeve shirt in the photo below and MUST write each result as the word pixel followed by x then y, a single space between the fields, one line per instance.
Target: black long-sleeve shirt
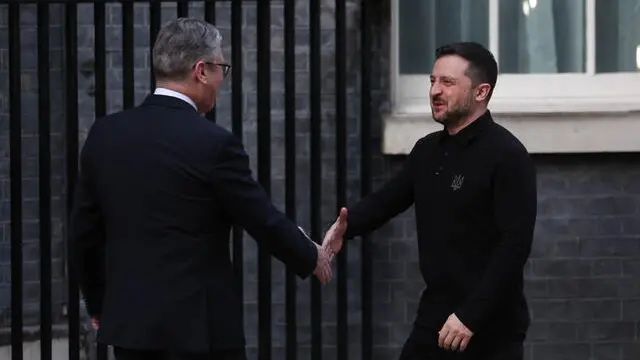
pixel 475 210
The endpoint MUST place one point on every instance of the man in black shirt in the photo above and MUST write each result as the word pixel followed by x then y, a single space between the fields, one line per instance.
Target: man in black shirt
pixel 473 185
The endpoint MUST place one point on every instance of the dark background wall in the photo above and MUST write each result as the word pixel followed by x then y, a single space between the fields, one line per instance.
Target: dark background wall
pixel 583 273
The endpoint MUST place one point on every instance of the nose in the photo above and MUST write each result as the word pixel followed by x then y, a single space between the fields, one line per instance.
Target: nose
pixel 435 89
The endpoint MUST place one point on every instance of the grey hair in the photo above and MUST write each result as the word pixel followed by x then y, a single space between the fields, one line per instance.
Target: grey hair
pixel 180 44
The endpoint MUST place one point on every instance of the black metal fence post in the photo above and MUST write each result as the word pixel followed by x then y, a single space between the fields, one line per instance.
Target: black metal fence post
pixel 341 170
pixel 237 105
pixel 210 16
pixel 128 80
pixel 264 171
pixel 71 138
pixel 183 8
pixel 365 175
pixel 291 345
pixel 100 85
pixel 44 179
pixel 155 22
pixel 15 169
pixel 315 84
pixel 100 60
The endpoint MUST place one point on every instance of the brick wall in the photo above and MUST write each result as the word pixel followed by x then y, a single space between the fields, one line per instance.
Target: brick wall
pixel 582 277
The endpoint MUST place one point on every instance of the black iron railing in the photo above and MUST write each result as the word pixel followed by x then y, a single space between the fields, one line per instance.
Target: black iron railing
pixel 264 159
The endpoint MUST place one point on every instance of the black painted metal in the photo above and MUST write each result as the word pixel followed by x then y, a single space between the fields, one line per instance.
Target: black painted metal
pixel 183 8
pixel 15 169
pixel 315 93
pixel 365 175
pixel 100 89
pixel 100 60
pixel 237 107
pixel 264 171
pixel 44 179
pixel 341 170
pixel 128 99
pixel 210 16
pixel 155 22
pixel 71 135
pixel 290 166
pixel 238 103
pixel 210 10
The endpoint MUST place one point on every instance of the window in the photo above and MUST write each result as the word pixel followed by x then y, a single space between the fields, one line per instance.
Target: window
pixel 554 56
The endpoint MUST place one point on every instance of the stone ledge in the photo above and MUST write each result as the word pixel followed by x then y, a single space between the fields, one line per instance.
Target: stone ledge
pixel 541 133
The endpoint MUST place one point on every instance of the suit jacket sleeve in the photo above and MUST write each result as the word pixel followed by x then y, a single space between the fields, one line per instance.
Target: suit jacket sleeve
pixel 88 239
pixel 377 208
pixel 249 206
pixel 515 207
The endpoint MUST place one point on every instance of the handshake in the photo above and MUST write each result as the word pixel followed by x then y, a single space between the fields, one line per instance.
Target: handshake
pixel 331 245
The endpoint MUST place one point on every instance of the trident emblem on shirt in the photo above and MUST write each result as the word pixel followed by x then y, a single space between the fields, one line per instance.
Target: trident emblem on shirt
pixel 456 184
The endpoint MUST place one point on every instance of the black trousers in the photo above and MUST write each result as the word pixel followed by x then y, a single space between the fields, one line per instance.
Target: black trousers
pixel 131 354
pixel 422 344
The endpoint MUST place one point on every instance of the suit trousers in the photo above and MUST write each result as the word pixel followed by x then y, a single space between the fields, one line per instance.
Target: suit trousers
pixel 422 344
pixel 133 354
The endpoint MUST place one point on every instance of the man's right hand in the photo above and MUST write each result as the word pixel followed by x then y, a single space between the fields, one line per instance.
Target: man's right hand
pixel 333 238
pixel 323 267
pixel 95 323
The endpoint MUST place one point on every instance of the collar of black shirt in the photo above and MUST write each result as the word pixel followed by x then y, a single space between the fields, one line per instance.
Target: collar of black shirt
pixel 467 134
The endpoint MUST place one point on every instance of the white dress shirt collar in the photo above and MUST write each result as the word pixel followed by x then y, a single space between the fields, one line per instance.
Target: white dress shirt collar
pixel 175 94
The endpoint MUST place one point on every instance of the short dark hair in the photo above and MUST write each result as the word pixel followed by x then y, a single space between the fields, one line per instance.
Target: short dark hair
pixel 483 67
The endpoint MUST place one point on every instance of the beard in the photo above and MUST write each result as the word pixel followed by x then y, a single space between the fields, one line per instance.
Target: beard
pixel 457 113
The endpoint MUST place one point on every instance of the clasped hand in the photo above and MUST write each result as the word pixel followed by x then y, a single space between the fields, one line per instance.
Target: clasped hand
pixel 331 245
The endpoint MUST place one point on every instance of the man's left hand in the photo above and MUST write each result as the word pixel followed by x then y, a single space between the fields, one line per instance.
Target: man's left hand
pixel 454 335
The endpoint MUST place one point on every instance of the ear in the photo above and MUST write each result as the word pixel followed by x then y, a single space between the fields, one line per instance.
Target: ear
pixel 482 92
pixel 199 71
